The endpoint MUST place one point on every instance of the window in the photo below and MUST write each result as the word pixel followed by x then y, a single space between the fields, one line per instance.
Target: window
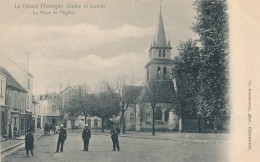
pixel 89 122
pixel 166 115
pixel 132 118
pixel 160 55
pixel 163 53
pixel 158 71
pixel 164 72
pixel 95 122
pixel 28 84
pixel 158 114
pixel 148 118
pixel 15 121
pixel 53 109
pixel 39 107
pixel 28 101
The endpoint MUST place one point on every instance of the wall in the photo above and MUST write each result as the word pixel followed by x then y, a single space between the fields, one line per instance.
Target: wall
pixel 2 88
pixel 130 124
pixel 3 111
pixel 144 121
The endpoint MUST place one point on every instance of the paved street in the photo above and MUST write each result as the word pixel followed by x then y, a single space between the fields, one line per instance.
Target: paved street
pixel 132 150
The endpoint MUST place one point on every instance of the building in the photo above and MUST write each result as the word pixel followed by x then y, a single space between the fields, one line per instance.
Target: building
pixel 94 122
pixel 63 99
pixel 46 110
pixel 158 91
pixel 24 78
pixel 3 110
pixel 14 115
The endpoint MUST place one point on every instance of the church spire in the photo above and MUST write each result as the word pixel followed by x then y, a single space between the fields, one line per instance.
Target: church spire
pixel 160 35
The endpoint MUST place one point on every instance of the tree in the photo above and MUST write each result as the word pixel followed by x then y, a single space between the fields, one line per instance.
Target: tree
pixel 74 108
pixel 81 102
pixel 158 91
pixel 212 28
pixel 153 90
pixel 186 72
pixel 122 92
pixel 62 102
pixel 105 108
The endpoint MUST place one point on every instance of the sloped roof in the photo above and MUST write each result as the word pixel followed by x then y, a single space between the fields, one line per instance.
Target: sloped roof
pixel 11 82
pixel 66 90
pixel 159 61
pixel 132 93
pixel 160 91
pixel 160 35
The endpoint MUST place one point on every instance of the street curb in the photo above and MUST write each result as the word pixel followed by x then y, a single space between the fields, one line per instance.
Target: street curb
pixel 11 147
pixel 18 144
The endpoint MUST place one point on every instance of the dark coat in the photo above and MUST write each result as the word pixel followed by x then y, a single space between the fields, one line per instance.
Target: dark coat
pixel 46 127
pixel 62 134
pixel 86 134
pixel 114 133
pixel 29 141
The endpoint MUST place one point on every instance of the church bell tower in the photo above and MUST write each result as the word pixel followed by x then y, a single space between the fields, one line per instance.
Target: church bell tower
pixel 160 63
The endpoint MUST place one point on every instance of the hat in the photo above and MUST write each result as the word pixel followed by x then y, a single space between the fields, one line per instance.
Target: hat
pixel 87 125
pixel 61 125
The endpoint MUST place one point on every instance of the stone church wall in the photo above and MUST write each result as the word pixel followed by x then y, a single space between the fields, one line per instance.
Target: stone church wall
pixel 139 118
pixel 130 118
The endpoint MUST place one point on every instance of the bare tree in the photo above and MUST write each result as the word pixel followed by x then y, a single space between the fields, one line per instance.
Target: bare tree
pixel 123 93
pixel 105 107
pixel 157 91
pixel 152 90
pixel 62 102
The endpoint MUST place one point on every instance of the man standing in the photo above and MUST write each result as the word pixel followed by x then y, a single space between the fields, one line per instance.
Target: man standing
pixel 29 139
pixel 86 135
pixel 114 135
pixel 61 139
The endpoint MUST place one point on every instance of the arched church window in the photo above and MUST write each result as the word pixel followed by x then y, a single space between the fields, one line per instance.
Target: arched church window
pixel 163 53
pixel 166 115
pixel 132 118
pixel 148 118
pixel 164 72
pixel 158 114
pixel 160 55
pixel 158 71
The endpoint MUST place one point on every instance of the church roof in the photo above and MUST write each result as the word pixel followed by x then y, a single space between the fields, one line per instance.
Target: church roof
pixel 132 93
pixel 159 91
pixel 11 82
pixel 160 35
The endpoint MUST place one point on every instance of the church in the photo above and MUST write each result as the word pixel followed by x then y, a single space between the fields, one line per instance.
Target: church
pixel 157 96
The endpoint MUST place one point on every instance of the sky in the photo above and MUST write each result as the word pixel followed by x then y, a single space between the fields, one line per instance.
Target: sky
pixel 93 44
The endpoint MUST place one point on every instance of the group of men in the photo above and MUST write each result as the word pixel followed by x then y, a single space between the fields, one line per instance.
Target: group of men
pixel 62 136
pixel 48 127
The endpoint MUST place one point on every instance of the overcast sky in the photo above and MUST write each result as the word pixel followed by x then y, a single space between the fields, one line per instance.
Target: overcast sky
pixel 93 44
